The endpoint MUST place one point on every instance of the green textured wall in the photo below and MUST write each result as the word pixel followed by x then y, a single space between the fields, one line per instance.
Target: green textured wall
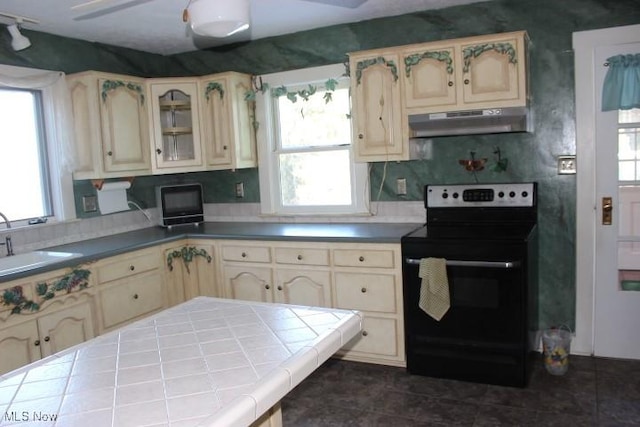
pixel 532 157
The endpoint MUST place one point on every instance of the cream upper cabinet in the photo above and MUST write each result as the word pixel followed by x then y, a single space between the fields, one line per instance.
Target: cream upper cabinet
pixel 227 121
pixel 175 143
pixel 472 73
pixel 380 130
pixel 494 70
pixel 429 76
pixel 110 125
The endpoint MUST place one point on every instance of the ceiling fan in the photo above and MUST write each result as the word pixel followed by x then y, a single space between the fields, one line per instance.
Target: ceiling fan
pixel 97 8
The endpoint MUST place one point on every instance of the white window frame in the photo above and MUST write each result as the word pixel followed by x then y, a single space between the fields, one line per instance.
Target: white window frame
pixel 266 116
pixel 56 107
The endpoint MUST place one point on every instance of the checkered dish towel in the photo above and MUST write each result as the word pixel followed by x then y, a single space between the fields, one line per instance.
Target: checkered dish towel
pixel 434 290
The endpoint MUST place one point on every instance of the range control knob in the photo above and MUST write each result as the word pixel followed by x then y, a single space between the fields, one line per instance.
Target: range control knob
pixel 512 194
pixel 445 195
pixel 456 195
pixel 525 194
pixel 501 194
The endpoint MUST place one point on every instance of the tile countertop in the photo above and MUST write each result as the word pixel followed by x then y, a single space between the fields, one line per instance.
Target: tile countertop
pixel 304 232
pixel 206 362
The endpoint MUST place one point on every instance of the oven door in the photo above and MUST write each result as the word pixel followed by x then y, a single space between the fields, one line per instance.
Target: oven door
pixel 486 301
pixel 483 335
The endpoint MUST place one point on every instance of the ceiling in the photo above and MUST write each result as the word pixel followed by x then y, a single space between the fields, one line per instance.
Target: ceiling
pixel 156 25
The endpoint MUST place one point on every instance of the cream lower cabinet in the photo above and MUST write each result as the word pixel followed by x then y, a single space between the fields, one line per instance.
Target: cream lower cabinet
pixel 130 286
pixel 189 270
pixel 364 277
pixel 61 322
pixel 267 272
pixel 368 278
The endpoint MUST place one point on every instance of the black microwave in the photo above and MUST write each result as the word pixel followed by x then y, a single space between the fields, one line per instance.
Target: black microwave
pixel 180 204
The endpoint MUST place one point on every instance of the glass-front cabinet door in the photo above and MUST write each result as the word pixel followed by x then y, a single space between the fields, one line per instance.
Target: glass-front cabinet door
pixel 176 142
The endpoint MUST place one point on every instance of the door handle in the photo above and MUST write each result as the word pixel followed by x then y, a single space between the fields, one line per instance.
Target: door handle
pixel 607 210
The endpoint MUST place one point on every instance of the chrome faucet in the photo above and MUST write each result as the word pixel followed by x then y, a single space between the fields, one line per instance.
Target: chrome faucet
pixel 7 240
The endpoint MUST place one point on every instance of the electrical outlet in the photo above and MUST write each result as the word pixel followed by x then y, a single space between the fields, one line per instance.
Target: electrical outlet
pixel 566 165
pixel 89 203
pixel 401 187
pixel 239 190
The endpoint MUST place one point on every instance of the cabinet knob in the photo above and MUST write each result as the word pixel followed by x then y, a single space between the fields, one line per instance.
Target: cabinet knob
pixel 135 296
pixel 47 339
pixel 267 287
pixel 299 257
pixel 450 84
pixel 360 136
pixel 244 255
pixel 279 288
pixel 363 290
pixel 224 147
pixel 365 333
pixel 159 151
pixel 36 343
pixel 466 81
pixel 361 259
pixel 132 267
pixel 109 153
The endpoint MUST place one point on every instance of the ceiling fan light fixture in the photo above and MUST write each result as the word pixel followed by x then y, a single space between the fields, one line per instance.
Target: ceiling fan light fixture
pixel 18 41
pixel 219 18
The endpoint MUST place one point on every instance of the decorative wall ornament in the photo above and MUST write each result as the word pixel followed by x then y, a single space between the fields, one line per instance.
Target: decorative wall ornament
pixel 468 53
pixel 187 253
pixel 75 280
pixel 442 56
pixel 363 65
pixel 501 162
pixel 109 85
pixel 211 87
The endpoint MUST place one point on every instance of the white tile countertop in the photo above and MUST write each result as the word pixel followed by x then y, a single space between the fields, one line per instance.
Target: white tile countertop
pixel 206 362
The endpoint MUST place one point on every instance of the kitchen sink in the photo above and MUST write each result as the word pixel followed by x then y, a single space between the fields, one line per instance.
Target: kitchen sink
pixel 29 260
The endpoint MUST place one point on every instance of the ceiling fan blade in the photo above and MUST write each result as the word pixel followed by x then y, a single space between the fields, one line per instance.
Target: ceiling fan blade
pixel 107 10
pixel 351 4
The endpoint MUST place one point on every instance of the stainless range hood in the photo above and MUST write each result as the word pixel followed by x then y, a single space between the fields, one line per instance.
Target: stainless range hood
pixel 471 122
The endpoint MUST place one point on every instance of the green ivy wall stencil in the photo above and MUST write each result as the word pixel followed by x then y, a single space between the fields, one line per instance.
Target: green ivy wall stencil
pixel 187 253
pixel 74 281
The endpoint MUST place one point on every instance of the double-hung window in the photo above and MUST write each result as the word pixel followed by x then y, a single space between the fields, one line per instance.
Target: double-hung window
pixel 24 173
pixel 35 177
pixel 305 149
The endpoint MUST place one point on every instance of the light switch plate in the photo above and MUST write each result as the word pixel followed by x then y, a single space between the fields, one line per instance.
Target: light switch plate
pixel 567 165
pixel 401 187
pixel 239 190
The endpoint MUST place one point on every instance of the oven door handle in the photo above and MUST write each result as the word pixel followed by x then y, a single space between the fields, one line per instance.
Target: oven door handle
pixel 481 264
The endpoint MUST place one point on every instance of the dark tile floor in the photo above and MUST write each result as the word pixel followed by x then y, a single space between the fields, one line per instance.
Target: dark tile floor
pixel 594 392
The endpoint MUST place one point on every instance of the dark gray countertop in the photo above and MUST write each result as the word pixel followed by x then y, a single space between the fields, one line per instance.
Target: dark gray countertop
pixel 116 244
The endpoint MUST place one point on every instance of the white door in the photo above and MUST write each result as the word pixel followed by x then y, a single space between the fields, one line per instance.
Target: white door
pixel 617 259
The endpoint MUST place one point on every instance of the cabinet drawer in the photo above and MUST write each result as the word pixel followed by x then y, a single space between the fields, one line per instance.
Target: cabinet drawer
pixel 127 266
pixel 363 258
pixel 378 336
pixel 302 256
pixel 366 292
pixel 246 253
pixel 127 299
